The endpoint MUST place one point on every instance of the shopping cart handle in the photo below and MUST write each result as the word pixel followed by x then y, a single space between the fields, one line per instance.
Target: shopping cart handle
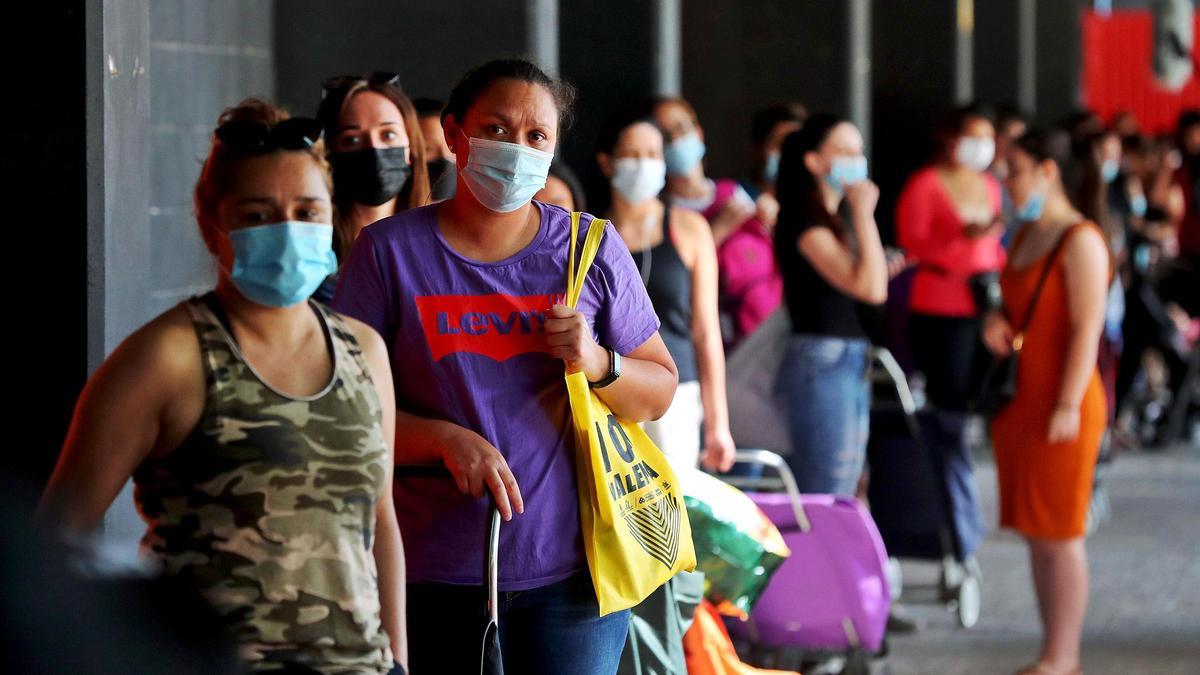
pixel 491 558
pixel 772 460
pixel 895 375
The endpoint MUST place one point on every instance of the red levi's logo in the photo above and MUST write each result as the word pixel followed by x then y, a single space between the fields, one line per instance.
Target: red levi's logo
pixel 496 326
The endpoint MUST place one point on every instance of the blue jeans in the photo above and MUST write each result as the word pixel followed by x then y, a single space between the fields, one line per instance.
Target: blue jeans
pixel 553 629
pixel 824 381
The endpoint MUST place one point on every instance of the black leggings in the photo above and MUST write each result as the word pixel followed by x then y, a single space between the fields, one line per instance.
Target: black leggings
pixel 951 354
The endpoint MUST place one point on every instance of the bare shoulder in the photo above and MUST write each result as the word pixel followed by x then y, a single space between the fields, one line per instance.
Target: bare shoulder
pixel 1086 243
pixel 689 222
pixel 157 370
pixel 166 347
pixel 1085 256
pixel 691 228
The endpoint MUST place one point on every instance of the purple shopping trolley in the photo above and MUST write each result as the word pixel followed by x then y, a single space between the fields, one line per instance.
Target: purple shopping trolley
pixel 831 596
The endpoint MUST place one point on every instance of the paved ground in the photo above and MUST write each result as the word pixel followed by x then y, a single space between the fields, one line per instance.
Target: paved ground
pixel 1144 615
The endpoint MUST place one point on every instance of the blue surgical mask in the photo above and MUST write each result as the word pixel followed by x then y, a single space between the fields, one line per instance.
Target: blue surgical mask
pixel 771 167
pixel 280 265
pixel 1141 257
pixel 1109 170
pixel 1137 205
pixel 1031 210
pixel 845 171
pixel 504 176
pixel 683 154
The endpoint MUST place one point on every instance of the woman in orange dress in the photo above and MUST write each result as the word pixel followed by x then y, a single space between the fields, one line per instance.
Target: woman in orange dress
pixel 1046 441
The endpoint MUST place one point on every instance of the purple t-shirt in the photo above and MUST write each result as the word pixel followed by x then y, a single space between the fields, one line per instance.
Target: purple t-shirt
pixel 468 346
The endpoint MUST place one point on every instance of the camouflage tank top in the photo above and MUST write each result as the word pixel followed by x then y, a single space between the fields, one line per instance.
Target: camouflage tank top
pixel 268 506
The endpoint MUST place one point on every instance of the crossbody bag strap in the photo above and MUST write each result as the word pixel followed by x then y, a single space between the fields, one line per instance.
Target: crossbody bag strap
pixel 1019 339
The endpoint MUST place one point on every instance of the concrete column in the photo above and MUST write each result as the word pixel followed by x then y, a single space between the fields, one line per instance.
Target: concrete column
pixel 668 48
pixel 118 245
pixel 541 34
pixel 964 52
pixel 144 252
pixel 1027 56
pixel 858 68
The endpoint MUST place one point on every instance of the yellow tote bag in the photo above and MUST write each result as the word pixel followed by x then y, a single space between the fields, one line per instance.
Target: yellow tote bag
pixel 635 526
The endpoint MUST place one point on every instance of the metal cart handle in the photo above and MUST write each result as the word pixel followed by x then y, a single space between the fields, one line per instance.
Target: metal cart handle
pixel 895 374
pixel 771 460
pixel 491 559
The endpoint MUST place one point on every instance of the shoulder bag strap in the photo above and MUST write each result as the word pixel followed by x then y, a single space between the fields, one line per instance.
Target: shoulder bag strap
pixel 1037 291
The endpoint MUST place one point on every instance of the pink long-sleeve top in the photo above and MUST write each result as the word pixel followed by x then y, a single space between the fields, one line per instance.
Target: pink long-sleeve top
pixel 930 229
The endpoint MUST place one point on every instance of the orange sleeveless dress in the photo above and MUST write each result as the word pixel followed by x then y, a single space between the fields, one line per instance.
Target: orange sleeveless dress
pixel 1045 488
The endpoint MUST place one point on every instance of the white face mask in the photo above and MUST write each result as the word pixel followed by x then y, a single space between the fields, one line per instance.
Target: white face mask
pixel 639 179
pixel 975 153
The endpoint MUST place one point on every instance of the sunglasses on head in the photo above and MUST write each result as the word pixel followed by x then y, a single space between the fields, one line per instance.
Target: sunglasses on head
pixel 252 138
pixel 342 82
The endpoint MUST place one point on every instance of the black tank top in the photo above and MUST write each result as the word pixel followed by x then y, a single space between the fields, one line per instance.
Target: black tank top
pixel 669 284
pixel 815 305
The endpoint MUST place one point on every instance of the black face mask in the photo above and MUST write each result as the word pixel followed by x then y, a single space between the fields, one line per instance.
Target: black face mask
pixel 371 176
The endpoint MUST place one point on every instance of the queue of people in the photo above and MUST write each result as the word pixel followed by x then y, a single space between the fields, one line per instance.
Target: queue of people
pixel 390 290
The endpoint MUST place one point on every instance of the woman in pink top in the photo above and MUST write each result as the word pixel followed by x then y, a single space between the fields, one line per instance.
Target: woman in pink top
pixel 751 287
pixel 723 203
pixel 948 221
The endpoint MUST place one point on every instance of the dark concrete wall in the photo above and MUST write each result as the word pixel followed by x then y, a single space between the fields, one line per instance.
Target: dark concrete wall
pixel 995 50
pixel 611 68
pixel 741 56
pixel 1059 59
pixel 430 44
pixel 44 162
pixel 912 58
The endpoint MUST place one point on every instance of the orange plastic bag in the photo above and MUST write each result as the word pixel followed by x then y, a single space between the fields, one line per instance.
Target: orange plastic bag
pixel 710 651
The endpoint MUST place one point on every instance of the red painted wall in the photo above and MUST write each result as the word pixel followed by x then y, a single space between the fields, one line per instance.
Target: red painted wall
pixel 1117 75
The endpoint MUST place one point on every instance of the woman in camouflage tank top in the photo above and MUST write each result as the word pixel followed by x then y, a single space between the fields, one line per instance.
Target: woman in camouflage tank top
pixel 256 424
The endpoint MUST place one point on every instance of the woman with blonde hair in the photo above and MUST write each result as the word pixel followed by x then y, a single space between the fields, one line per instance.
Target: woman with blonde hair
pixel 374 143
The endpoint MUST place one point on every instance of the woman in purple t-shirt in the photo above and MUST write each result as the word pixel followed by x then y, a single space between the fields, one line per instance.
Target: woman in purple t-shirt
pixel 468 294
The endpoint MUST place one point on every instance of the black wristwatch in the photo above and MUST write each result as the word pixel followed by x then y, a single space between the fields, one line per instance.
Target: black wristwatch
pixel 614 371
